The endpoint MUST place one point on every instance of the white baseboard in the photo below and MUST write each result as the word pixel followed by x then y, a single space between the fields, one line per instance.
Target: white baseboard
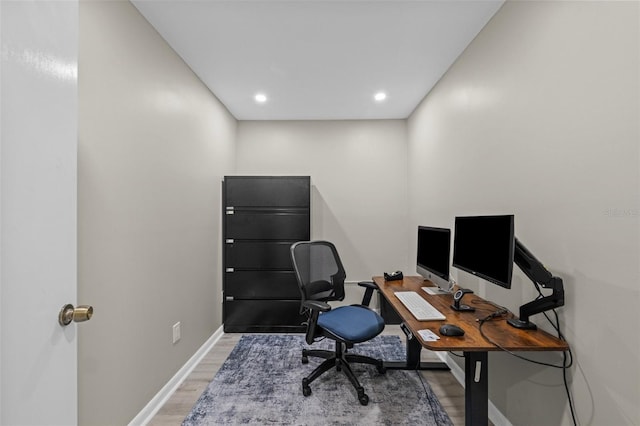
pixel 150 410
pixel 495 415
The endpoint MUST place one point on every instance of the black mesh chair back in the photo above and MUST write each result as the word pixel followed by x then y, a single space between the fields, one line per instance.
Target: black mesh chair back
pixel 319 270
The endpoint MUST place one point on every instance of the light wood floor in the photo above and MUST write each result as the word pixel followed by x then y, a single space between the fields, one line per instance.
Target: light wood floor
pixel 446 387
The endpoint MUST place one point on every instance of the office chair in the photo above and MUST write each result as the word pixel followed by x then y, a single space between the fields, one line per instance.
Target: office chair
pixel 321 278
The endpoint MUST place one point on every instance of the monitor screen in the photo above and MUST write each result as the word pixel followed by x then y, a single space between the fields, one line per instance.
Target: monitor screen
pixel 484 246
pixel 433 255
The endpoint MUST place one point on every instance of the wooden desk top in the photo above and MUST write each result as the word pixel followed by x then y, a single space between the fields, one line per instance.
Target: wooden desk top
pixel 496 329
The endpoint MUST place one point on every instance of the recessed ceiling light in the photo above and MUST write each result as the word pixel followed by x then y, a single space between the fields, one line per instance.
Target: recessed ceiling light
pixel 261 98
pixel 380 96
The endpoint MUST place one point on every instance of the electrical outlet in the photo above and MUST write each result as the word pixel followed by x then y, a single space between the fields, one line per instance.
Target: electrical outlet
pixel 176 332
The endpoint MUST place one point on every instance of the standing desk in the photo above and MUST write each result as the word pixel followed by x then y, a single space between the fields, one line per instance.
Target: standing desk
pixel 472 344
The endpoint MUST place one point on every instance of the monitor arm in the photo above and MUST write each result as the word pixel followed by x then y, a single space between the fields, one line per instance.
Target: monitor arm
pixel 540 276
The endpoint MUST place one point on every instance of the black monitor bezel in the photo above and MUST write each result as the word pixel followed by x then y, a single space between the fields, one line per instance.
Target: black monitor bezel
pixel 493 280
pixel 419 265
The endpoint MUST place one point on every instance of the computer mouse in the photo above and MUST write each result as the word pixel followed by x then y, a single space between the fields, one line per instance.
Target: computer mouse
pixel 451 330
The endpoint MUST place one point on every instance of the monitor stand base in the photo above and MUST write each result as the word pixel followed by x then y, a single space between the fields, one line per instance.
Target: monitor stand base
pixel 522 325
pixel 463 308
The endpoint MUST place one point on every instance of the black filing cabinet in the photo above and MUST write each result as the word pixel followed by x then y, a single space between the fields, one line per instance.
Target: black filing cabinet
pixel 262 217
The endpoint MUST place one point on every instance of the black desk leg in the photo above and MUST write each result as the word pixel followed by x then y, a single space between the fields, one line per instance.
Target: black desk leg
pixel 413 351
pixel 476 391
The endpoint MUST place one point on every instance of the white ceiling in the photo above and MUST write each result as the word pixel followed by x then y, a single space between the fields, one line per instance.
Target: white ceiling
pixel 319 60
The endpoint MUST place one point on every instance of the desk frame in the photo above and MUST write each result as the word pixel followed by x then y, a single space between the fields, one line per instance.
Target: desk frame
pixel 474 346
pixel 412 361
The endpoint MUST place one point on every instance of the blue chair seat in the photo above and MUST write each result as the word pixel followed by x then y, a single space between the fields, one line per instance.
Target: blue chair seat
pixel 352 323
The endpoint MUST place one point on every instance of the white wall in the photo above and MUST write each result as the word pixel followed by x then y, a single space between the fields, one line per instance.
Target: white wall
pixel 154 145
pixel 358 177
pixel 539 117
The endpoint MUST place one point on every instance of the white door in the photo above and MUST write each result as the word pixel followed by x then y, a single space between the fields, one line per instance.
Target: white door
pixel 38 122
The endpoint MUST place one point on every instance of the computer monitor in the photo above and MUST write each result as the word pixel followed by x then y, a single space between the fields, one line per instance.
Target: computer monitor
pixel 484 246
pixel 432 260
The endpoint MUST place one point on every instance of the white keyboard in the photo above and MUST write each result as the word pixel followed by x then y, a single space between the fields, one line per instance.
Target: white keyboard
pixel 419 308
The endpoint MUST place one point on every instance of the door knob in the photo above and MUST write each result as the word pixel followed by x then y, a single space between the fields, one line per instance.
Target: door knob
pixel 78 314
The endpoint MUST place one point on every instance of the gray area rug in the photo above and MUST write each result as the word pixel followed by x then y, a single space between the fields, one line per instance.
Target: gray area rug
pixel 261 383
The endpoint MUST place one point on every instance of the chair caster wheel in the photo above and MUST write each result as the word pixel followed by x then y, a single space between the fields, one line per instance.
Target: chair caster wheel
pixel 363 398
pixel 305 360
pixel 306 389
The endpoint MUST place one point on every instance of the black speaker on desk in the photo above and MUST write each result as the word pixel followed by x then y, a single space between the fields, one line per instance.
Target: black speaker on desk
pixel 387 312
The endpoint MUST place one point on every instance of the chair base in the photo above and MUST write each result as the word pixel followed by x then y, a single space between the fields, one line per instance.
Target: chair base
pixel 341 360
